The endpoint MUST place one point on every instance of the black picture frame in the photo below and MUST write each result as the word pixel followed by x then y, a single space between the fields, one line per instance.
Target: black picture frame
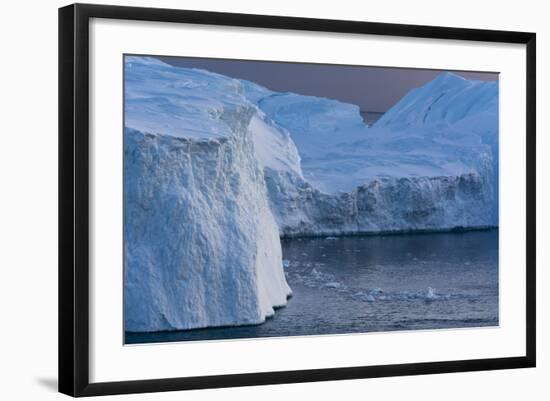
pixel 74 194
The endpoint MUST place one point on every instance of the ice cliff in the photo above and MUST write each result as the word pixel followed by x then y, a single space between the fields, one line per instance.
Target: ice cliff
pixel 202 247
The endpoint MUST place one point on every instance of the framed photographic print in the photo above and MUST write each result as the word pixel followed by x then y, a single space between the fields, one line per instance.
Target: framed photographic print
pixel 249 199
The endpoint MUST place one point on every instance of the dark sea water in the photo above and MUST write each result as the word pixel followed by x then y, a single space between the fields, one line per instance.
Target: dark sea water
pixel 370 117
pixel 376 283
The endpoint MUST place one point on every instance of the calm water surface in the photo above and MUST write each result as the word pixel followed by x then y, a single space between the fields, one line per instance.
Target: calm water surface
pixel 376 283
pixel 371 117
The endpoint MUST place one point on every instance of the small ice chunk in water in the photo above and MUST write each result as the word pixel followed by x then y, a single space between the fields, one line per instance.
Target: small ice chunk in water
pixel 286 263
pixel 431 293
pixel 331 238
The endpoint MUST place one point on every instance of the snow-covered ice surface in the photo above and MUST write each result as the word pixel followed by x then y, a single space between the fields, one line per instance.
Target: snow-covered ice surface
pixel 202 247
pixel 216 169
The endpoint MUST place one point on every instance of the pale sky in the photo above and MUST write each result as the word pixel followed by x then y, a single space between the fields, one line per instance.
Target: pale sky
pixel 372 88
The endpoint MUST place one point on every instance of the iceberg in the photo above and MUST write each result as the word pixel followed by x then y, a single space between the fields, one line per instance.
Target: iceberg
pixel 202 247
pixel 430 163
